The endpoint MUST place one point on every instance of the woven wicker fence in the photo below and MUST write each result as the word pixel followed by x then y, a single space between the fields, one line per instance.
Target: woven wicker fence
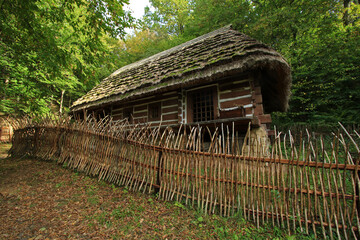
pixel 304 184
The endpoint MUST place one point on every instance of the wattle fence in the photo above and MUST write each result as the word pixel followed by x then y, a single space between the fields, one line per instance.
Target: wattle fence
pixel 300 183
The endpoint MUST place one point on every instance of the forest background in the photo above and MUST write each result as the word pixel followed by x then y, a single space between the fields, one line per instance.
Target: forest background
pixel 54 51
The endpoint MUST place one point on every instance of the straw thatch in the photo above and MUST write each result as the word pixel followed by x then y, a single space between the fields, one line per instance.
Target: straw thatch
pixel 210 57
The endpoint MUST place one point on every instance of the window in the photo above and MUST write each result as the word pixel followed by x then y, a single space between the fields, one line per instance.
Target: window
pixel 202 105
pixel 128 114
pixel 154 111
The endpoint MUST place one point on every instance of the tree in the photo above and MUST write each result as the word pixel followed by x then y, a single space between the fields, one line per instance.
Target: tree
pixel 51 47
pixel 208 15
pixel 323 54
pixel 172 15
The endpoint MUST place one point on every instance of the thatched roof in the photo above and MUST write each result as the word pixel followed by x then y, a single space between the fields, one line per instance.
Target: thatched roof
pixel 4 120
pixel 212 56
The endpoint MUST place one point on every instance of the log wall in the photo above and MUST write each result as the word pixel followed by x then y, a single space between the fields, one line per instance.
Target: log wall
pixel 168 109
pixel 237 96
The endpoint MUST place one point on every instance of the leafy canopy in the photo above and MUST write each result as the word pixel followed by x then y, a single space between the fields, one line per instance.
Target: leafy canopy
pixel 52 48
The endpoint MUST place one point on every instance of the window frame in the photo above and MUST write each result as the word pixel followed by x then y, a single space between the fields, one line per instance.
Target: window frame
pixel 190 100
pixel 152 106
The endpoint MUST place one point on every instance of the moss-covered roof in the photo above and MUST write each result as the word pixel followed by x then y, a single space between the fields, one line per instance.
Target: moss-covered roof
pixel 209 56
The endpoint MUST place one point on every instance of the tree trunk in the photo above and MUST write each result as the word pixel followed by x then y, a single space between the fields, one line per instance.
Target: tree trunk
pixel 346 17
pixel 61 101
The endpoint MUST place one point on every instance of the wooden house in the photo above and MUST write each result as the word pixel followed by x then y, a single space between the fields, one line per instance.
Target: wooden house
pixel 221 77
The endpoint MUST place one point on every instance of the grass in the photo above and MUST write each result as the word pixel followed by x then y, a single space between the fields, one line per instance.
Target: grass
pixel 67 204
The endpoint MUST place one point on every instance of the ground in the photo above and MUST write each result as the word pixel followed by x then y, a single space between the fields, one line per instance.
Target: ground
pixel 43 200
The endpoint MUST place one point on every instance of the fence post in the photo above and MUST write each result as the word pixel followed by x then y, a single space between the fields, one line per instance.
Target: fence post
pixel 158 176
pixel 35 143
pixel 60 134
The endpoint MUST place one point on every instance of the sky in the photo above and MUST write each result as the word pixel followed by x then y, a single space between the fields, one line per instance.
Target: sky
pixel 137 7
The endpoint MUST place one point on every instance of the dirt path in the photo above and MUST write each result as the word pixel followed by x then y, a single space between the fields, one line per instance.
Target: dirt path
pixel 42 200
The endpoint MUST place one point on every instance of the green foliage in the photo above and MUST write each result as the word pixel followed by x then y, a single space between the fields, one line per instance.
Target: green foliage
pixel 208 15
pixel 179 205
pixel 51 49
pixel 171 15
pixel 323 55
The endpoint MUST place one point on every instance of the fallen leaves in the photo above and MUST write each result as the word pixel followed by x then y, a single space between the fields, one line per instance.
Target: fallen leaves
pixel 42 200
